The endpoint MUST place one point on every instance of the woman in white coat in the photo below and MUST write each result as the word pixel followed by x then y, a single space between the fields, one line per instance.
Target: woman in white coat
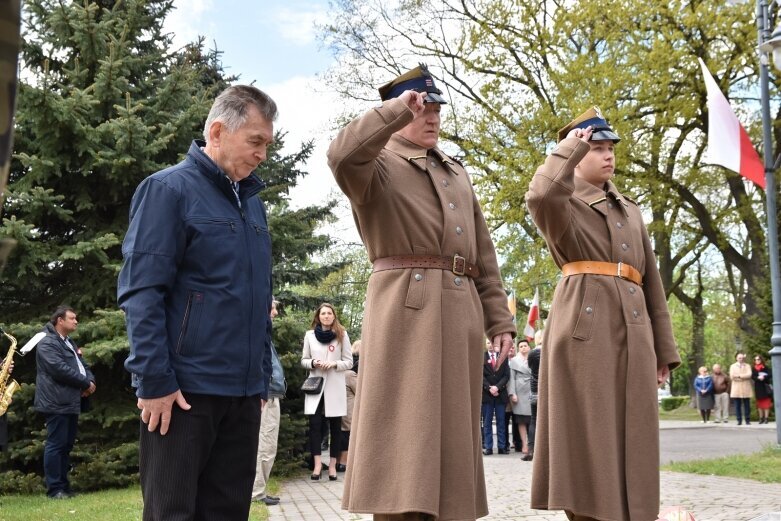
pixel 326 353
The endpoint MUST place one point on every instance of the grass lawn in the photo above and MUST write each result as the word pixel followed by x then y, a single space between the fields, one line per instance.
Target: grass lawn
pixel 764 466
pixel 683 413
pixel 108 505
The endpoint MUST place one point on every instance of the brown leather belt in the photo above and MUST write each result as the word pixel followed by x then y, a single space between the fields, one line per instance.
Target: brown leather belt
pixel 624 271
pixel 457 264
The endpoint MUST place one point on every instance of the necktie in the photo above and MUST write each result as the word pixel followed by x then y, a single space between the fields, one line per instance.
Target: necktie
pixel 493 360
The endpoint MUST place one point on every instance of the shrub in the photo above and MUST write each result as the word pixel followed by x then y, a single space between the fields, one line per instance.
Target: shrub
pixel 670 403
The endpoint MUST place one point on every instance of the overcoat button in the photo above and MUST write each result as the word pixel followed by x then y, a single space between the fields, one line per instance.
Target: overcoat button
pixel 452 206
pixel 589 310
pixel 610 205
pixel 635 313
pixel 434 164
pixel 444 182
pixel 632 290
pixel 459 230
pixel 457 281
pixel 625 246
pixel 619 225
pixel 418 277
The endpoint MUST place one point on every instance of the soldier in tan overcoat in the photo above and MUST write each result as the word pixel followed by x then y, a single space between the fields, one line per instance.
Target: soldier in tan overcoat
pixel 608 341
pixel 434 293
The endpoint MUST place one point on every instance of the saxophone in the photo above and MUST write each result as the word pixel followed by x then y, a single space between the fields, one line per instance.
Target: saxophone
pixel 8 386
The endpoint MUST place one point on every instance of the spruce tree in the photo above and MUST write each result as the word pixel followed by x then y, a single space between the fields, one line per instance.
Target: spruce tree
pixel 104 101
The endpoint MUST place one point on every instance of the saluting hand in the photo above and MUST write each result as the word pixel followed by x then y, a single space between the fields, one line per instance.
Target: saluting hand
pixel 414 101
pixel 584 134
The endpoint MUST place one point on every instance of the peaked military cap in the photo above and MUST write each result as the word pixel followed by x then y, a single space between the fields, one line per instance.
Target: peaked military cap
pixel 592 117
pixel 418 79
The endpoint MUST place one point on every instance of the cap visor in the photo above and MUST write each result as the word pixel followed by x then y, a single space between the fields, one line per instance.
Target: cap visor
pixel 433 97
pixel 605 135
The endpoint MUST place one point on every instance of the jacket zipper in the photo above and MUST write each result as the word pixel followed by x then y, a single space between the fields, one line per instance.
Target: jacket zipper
pixel 184 324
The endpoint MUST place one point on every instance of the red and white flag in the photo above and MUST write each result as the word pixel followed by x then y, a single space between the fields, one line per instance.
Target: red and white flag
pixel 728 142
pixel 534 316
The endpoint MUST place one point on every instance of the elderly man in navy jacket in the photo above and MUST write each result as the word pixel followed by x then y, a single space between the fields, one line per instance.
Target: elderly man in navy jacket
pixel 62 380
pixel 196 290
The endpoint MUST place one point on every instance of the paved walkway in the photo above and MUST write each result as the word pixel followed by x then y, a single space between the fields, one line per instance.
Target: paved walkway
pixel 508 481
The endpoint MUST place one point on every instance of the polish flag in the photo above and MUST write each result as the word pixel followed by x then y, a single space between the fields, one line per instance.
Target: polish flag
pixel 534 316
pixel 728 142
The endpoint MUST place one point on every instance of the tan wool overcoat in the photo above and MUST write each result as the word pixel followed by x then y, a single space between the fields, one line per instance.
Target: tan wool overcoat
pixel 597 442
pixel 415 442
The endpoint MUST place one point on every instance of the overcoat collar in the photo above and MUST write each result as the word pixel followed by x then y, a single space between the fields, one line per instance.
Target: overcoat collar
pixel 596 198
pixel 416 154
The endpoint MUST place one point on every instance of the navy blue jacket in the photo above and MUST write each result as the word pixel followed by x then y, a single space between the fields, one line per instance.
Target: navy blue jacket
pixel 58 381
pixel 195 285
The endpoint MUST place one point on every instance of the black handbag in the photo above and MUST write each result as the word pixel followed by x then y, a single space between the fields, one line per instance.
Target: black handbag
pixel 312 385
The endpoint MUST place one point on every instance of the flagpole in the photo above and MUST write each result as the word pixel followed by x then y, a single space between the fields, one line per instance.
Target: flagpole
pixel 770 195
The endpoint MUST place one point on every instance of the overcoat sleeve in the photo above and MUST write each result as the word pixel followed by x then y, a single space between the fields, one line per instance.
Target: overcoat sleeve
pixel 548 198
pixel 346 361
pixel 352 154
pixel 306 355
pixel 497 318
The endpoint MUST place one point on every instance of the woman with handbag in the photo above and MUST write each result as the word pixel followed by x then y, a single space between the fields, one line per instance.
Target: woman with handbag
pixel 763 387
pixel 327 355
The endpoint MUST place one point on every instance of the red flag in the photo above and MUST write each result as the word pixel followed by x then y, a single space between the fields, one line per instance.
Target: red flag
pixel 728 142
pixel 534 316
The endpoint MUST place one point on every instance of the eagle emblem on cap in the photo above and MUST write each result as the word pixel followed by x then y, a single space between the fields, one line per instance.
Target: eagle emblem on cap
pixel 599 112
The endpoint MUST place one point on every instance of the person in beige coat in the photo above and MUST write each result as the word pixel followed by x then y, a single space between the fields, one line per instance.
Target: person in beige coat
pixel 742 387
pixel 326 353
pixel 609 340
pixel 434 294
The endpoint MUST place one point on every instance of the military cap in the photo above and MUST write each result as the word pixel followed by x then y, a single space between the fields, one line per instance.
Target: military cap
pixel 592 117
pixel 418 79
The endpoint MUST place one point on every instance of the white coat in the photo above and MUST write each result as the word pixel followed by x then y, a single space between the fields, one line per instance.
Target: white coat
pixel 333 379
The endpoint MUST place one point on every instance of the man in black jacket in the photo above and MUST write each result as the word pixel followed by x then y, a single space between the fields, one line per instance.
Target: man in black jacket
pixel 495 378
pixel 63 379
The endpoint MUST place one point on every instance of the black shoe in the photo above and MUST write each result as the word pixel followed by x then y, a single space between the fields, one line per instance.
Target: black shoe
pixel 488 452
pixel 341 468
pixel 269 501
pixel 503 451
pixel 748 422
pixel 275 498
pixel 527 457
pixel 331 478
pixel 316 477
pixel 740 422
pixel 60 495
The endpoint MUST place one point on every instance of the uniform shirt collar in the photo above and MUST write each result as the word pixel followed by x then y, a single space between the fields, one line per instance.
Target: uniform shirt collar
pixel 596 197
pixel 415 153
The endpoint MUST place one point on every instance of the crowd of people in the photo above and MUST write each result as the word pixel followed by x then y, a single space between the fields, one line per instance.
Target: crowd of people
pixel 744 381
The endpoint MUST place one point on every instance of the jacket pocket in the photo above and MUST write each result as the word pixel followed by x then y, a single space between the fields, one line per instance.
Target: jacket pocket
pixel 188 333
pixel 416 288
pixel 588 311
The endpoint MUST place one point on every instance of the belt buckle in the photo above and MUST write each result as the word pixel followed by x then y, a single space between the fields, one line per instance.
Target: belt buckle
pixel 620 269
pixel 458 260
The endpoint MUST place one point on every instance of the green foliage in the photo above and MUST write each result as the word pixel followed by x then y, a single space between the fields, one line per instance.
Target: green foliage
pixel 762 466
pixel 670 403
pixel 515 72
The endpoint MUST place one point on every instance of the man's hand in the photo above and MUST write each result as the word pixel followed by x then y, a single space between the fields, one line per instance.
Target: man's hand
pixel 494 390
pixel 505 340
pixel 584 134
pixel 157 411
pixel 414 101
pixel 89 390
pixel 662 374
